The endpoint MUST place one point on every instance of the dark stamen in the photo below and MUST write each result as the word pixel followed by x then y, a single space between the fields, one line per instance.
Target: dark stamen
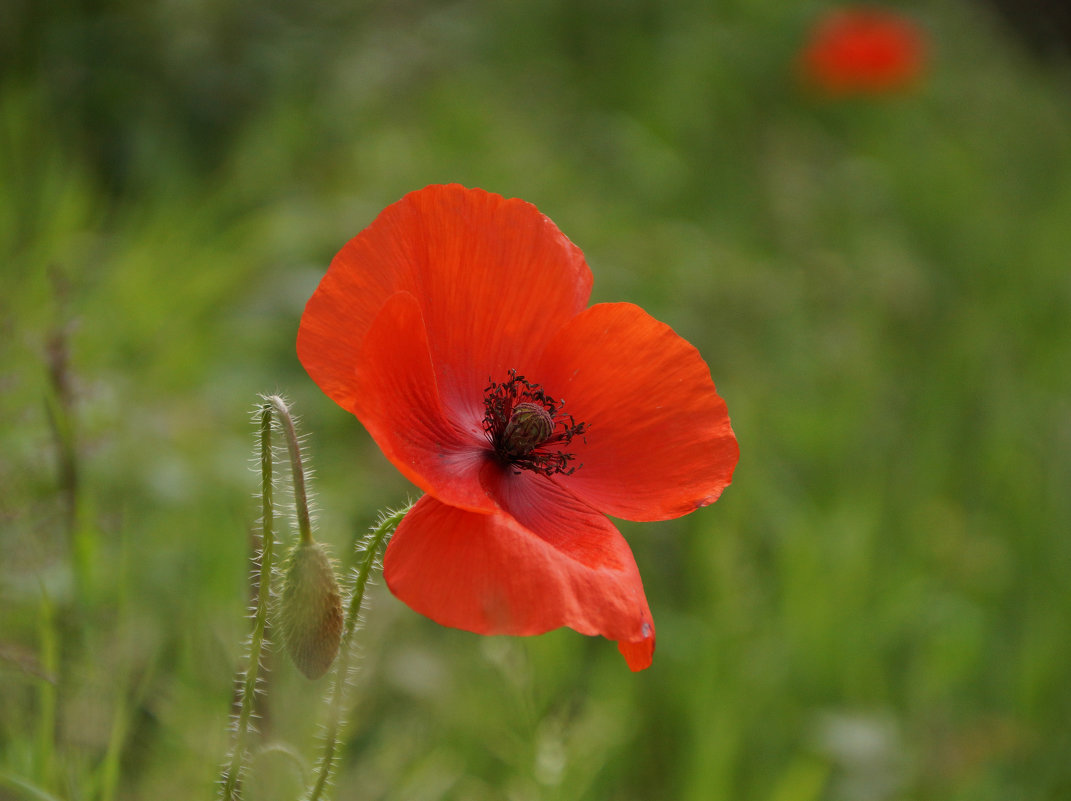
pixel 526 427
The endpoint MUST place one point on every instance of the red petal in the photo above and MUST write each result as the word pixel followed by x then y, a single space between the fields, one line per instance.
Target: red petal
pixel 396 397
pixel 491 574
pixel 864 50
pixel 659 442
pixel 493 277
pixel 639 654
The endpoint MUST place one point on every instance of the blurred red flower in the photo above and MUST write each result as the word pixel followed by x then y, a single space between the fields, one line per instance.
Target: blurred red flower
pixel 863 51
pixel 454 327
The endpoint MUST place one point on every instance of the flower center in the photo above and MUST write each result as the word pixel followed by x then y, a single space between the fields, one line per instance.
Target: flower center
pixel 527 428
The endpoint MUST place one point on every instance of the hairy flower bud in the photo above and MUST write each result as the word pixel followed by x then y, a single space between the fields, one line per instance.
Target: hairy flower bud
pixel 310 615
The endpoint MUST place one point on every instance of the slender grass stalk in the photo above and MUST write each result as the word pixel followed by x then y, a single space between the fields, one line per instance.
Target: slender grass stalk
pixel 25 788
pixel 62 413
pixel 260 619
pixel 384 527
pixel 110 768
pixel 46 722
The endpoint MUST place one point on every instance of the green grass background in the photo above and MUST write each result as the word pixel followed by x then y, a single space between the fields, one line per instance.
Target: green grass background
pixel 877 609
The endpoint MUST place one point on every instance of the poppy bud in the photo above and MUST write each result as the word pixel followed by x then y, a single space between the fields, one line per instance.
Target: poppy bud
pixel 310 615
pixel 529 426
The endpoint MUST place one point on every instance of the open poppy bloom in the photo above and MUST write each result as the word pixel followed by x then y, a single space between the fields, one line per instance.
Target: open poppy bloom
pixel 455 328
pixel 863 51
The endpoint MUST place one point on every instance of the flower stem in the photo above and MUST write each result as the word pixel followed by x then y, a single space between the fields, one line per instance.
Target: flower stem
pixel 260 619
pixel 384 527
pixel 300 497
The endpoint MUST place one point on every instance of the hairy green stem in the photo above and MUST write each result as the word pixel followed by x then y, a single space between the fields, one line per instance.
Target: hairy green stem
pixel 260 619
pixel 384 527
pixel 296 467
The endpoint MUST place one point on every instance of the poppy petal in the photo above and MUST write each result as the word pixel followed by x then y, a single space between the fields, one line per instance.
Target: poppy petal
pixel 638 654
pixel 491 574
pixel 658 442
pixel 494 278
pixel 396 398
pixel 864 51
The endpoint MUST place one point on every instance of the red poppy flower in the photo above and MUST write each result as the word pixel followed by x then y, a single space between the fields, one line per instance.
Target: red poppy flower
pixel 454 327
pixel 863 51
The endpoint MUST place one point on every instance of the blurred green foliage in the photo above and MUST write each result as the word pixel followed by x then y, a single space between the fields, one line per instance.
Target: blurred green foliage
pixel 878 608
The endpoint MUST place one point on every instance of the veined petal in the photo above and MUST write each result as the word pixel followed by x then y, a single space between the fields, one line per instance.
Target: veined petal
pixel 396 397
pixel 491 574
pixel 658 442
pixel 493 277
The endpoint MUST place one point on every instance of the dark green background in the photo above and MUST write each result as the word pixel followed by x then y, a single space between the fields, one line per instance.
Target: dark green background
pixel 877 609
